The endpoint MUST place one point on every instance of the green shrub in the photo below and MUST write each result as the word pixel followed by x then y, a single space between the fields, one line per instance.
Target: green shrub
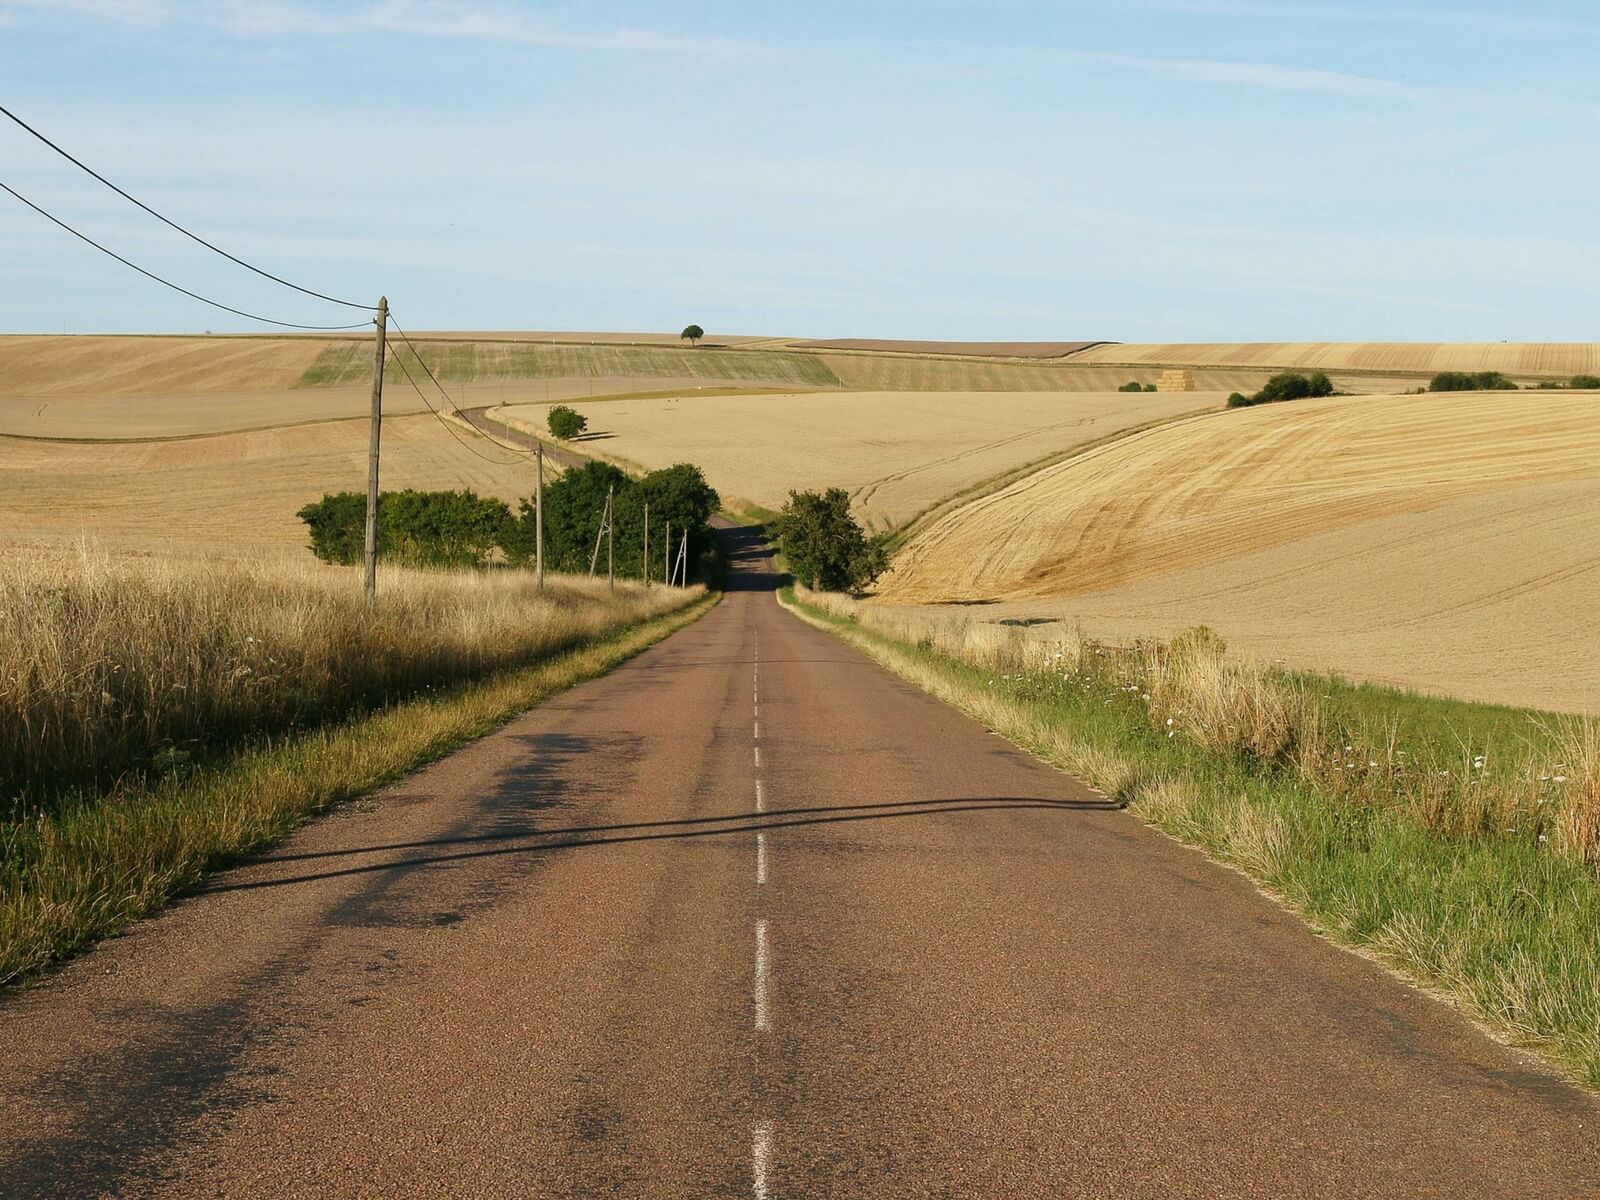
pixel 1471 381
pixel 1287 385
pixel 1150 387
pixel 566 423
pixel 1133 386
pixel 1586 383
pixel 418 529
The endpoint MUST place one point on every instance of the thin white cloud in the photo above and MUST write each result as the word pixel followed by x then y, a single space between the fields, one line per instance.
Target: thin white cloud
pixel 127 12
pixel 1270 76
pixel 464 20
pixel 486 22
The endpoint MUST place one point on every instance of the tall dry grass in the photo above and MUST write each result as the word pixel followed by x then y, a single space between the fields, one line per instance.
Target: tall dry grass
pixel 111 668
pixel 1190 688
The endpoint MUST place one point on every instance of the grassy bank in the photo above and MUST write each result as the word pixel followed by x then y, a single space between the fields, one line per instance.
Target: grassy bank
pixel 92 864
pixel 1459 843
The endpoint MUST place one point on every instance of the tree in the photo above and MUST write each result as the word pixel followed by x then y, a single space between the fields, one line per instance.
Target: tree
pixel 573 504
pixel 1132 386
pixel 679 494
pixel 566 423
pixel 692 334
pixel 824 545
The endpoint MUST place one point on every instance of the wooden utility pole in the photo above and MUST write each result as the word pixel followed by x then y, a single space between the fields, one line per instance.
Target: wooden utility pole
pixel 372 452
pixel 646 555
pixel 611 543
pixel 538 519
pixel 666 558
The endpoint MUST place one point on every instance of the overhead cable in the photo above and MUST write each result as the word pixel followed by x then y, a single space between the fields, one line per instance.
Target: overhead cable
pixel 195 237
pixel 238 312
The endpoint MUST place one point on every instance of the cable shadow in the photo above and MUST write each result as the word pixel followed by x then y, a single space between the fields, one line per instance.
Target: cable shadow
pixel 577 837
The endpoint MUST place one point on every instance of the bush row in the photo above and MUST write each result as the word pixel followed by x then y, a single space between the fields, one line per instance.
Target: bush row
pixel 457 529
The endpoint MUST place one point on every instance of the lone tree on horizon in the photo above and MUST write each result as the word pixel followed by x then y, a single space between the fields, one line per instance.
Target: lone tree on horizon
pixel 692 334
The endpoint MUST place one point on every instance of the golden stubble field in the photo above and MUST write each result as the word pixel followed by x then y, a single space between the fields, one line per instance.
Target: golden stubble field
pixel 1442 542
pixel 231 495
pixel 1552 359
pixel 897 453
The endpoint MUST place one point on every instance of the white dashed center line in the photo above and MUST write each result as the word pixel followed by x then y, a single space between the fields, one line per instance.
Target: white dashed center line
pixel 761 1143
pixel 763 1016
pixel 760 1157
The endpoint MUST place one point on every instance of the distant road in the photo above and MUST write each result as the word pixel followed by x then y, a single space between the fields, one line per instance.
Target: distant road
pixel 751 917
pixel 478 419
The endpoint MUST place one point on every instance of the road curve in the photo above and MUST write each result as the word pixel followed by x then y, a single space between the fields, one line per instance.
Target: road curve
pixel 750 917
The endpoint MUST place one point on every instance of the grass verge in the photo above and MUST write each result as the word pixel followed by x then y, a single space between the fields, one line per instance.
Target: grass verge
pixel 90 868
pixel 1499 909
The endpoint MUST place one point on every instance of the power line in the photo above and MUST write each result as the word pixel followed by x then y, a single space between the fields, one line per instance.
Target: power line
pixel 451 429
pixel 456 408
pixel 238 312
pixel 423 363
pixel 195 237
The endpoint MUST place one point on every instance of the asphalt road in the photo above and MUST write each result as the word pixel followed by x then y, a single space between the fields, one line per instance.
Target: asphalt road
pixel 750 917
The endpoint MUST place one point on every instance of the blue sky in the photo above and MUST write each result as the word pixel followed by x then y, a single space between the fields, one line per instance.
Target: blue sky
pixel 1140 170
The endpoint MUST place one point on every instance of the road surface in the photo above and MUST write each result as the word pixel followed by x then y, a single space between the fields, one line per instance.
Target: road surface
pixel 750 917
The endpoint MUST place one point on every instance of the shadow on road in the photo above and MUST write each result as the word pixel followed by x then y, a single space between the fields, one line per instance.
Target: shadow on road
pixel 749 559
pixel 581 836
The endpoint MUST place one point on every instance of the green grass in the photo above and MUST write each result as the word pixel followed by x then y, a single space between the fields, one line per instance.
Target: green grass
pixel 1497 921
pixel 90 867
pixel 1451 729
pixel 468 362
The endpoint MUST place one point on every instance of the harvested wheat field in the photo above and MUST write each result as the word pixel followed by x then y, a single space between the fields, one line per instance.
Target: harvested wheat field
pixel 978 349
pixel 1556 360
pixel 1438 542
pixel 898 453
pixel 89 364
pixel 233 495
